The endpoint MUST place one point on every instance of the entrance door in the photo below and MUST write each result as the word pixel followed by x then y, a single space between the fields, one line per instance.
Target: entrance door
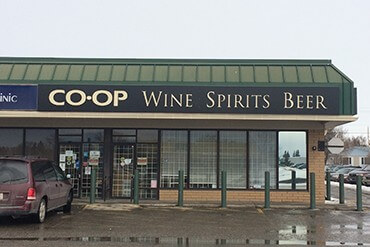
pixel 123 170
pixel 147 164
pixel 69 162
pixel 127 158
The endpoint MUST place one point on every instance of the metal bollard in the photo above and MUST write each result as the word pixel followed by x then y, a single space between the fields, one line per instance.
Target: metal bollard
pixel 294 180
pixel 341 188
pixel 312 191
pixel 359 192
pixel 136 186
pixel 267 189
pixel 223 189
pixel 93 185
pixel 328 186
pixel 180 199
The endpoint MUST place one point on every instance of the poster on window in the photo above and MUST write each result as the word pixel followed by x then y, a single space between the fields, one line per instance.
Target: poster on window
pixel 142 161
pixel 153 184
pixel 62 166
pixel 88 170
pixel 94 154
pixel 62 158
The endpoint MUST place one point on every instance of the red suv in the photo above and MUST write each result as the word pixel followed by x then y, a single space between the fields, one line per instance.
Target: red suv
pixel 30 186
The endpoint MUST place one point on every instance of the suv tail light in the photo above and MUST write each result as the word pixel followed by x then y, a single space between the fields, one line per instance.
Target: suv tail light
pixel 31 194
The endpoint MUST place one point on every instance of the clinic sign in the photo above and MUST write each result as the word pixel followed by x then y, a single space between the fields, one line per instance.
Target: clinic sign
pixel 189 99
pixel 18 97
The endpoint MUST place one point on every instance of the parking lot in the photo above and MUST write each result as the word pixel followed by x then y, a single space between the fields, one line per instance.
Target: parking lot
pixel 166 225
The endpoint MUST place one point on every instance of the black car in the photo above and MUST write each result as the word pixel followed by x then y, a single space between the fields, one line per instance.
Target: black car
pixel 359 172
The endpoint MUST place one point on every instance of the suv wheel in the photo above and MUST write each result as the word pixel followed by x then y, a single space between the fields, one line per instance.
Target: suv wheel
pixel 41 212
pixel 68 207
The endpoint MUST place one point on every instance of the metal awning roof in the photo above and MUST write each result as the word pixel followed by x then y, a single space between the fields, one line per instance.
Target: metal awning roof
pixel 185 72
pixel 163 71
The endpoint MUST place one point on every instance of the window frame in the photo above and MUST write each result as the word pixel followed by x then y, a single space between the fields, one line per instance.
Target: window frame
pixel 186 183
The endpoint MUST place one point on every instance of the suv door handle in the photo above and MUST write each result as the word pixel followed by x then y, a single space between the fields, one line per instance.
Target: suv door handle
pixel 56 185
pixel 61 185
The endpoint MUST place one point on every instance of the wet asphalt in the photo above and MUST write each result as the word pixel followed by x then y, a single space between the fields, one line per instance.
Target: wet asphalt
pixel 192 226
pixel 350 195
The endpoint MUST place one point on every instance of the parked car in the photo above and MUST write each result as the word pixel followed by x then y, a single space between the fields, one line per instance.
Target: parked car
pixel 366 179
pixel 338 167
pixel 345 171
pixel 301 166
pixel 33 186
pixel 364 171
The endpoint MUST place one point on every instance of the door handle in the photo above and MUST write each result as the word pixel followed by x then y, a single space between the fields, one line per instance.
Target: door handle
pixel 56 185
pixel 61 185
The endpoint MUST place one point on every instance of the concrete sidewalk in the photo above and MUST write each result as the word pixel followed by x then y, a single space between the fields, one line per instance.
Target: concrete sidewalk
pixel 126 205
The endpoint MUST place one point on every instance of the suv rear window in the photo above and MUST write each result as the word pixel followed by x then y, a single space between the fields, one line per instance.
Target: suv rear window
pixel 13 172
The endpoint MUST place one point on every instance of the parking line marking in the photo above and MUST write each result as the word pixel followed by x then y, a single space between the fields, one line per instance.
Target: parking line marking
pixel 260 210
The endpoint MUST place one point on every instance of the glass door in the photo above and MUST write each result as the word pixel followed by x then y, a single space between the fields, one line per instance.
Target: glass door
pixel 70 163
pixel 147 165
pixel 123 170
pixel 92 152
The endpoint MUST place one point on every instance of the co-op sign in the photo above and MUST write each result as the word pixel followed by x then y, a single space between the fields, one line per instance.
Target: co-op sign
pixel 99 97
pixel 171 99
pixel 189 99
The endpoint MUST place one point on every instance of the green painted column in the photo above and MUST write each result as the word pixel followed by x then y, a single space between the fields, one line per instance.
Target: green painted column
pixel 92 184
pixel 328 187
pixel 267 189
pixel 223 189
pixel 136 186
pixel 312 191
pixel 359 193
pixel 294 182
pixel 341 189
pixel 180 200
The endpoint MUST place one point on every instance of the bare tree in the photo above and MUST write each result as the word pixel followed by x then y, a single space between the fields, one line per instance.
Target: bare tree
pixel 355 141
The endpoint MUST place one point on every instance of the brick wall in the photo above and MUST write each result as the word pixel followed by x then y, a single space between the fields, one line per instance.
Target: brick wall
pixel 316 162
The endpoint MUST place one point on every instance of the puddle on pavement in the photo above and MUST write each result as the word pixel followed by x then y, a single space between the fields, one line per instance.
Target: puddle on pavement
pixel 342 229
pixel 291 235
pixel 189 241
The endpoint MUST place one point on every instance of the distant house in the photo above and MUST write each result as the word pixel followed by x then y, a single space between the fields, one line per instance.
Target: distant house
pixel 356 156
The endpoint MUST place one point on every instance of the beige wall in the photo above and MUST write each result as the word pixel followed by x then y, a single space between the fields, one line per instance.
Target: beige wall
pixel 316 161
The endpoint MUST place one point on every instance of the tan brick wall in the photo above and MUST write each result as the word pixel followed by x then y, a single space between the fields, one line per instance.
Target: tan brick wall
pixel 316 164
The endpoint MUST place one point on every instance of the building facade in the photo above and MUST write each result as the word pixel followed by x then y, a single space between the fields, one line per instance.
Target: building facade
pixel 160 116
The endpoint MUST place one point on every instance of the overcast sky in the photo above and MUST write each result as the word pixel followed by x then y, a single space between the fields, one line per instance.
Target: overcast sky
pixel 287 29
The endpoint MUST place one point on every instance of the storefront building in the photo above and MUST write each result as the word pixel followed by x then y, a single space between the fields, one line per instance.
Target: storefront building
pixel 244 117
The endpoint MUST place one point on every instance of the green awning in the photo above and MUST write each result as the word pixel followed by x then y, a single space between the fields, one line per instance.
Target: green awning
pixel 200 72
pixel 163 70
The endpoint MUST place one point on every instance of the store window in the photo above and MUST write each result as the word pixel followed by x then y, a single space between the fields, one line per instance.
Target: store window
pixel 262 158
pixel 147 136
pixel 233 157
pixel 11 142
pixel 40 143
pixel 174 153
pixel 203 159
pixel 70 135
pixel 292 160
pixel 124 135
pixel 93 135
